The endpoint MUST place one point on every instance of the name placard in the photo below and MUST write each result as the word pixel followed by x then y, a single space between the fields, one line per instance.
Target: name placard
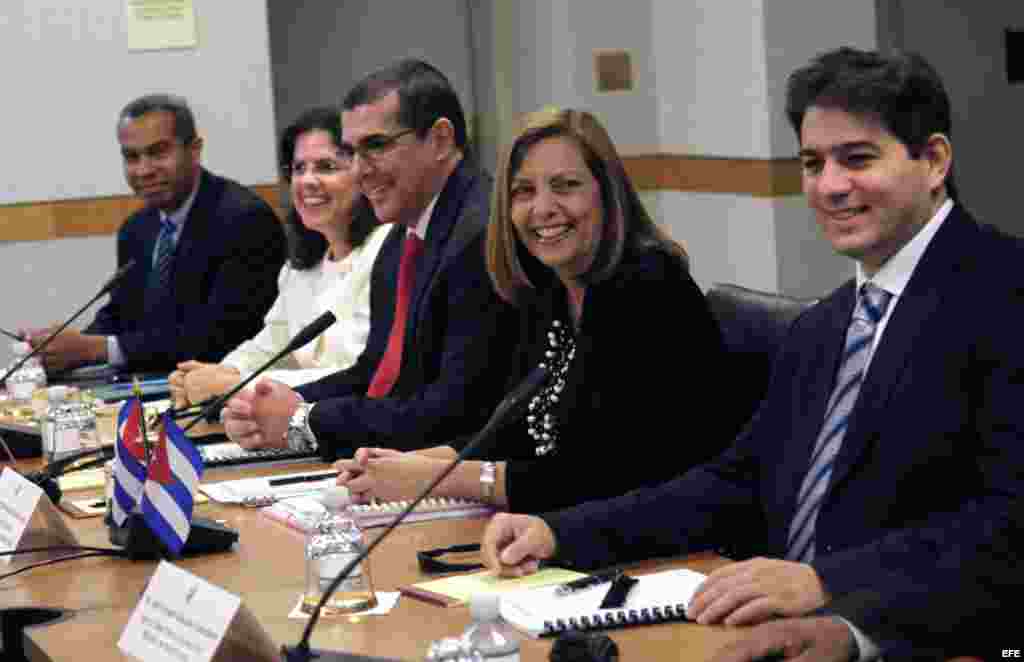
pixel 183 617
pixel 18 500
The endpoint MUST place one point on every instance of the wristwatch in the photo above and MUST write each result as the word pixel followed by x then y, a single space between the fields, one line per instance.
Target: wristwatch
pixel 299 435
pixel 488 471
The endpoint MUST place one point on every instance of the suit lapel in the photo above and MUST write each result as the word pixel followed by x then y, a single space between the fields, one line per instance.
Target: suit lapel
pixel 442 221
pixel 194 238
pixel 914 312
pixel 824 343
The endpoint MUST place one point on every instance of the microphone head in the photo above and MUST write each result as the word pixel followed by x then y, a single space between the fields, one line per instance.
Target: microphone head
pixel 312 330
pixel 118 275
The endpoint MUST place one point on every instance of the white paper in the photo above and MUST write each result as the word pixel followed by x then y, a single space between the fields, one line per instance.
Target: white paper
pixel 243 489
pixel 179 617
pixel 529 609
pixel 18 500
pixel 160 24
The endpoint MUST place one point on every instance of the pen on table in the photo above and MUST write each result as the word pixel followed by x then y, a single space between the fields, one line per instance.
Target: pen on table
pixel 586 582
pixel 617 594
pixel 307 478
pixel 12 335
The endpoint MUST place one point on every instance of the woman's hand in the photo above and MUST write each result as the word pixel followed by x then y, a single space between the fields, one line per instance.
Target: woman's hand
pixel 386 474
pixel 202 381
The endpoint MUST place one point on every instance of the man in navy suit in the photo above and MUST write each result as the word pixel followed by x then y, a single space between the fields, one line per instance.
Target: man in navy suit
pixel 878 486
pixel 433 366
pixel 207 253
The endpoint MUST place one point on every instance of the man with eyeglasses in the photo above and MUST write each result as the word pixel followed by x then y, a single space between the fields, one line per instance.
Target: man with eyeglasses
pixel 206 249
pixel 432 369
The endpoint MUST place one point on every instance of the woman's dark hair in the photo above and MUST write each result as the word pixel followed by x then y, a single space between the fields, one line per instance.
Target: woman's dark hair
pixel 306 248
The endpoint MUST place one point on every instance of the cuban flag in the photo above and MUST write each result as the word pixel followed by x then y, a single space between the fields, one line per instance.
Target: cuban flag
pixel 174 471
pixel 130 463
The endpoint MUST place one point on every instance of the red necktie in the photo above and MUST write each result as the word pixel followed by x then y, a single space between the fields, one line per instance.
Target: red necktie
pixel 387 370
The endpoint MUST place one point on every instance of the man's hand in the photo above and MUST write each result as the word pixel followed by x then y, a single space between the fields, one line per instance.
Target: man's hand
pixel 385 474
pixel 514 545
pixel 821 639
pixel 258 418
pixel 70 348
pixel 754 591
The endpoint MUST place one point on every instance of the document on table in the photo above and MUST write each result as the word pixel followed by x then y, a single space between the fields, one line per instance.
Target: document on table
pixel 270 488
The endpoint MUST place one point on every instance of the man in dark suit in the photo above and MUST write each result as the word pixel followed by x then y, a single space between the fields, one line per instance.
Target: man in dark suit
pixel 207 252
pixel 879 481
pixel 433 367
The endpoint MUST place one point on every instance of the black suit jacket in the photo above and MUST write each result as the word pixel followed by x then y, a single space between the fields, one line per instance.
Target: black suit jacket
pixel 926 487
pixel 455 349
pixel 226 263
pixel 646 325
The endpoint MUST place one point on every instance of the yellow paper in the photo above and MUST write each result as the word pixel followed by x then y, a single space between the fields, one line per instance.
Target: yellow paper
pixel 463 587
pixel 160 24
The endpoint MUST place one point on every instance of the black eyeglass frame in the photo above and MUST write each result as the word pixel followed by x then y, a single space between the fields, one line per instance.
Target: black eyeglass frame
pixel 429 563
pixel 371 148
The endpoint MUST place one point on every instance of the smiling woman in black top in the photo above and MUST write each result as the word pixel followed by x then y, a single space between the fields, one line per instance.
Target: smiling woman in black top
pixel 608 306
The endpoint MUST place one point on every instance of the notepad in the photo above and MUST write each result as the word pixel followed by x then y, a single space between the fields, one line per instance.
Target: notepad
pixel 303 512
pixel 458 589
pixel 657 598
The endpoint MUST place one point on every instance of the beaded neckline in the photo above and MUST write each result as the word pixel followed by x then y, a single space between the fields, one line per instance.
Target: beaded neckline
pixel 541 422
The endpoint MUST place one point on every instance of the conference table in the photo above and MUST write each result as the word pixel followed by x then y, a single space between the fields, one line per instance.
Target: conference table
pixel 266 570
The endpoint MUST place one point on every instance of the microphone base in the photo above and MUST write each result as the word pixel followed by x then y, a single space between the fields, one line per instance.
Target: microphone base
pixel 205 537
pixel 297 654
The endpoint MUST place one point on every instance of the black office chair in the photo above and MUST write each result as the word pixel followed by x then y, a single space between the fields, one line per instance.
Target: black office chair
pixel 753 326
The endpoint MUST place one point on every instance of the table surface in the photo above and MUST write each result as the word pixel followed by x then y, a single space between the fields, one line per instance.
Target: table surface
pixel 266 570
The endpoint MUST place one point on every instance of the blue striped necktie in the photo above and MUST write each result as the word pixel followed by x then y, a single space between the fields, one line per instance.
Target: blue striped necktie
pixel 870 309
pixel 160 281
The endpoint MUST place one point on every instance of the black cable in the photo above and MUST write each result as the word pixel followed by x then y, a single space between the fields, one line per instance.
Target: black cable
pixel 70 557
pixel 113 551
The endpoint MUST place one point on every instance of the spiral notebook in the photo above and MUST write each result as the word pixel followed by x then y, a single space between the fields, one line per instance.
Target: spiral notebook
pixel 657 598
pixel 302 513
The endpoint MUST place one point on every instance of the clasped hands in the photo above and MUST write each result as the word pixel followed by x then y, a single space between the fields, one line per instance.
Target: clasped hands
pixel 257 417
pixel 389 475
pixel 195 382
pixel 753 592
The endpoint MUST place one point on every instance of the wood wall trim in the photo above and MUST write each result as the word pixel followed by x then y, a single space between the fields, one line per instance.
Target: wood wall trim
pixel 761 178
pixel 59 219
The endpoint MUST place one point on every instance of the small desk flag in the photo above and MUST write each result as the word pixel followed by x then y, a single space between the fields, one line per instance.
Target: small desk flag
pixel 174 471
pixel 130 465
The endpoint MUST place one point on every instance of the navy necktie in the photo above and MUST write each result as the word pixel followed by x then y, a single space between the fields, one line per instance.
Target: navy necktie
pixel 162 271
pixel 859 336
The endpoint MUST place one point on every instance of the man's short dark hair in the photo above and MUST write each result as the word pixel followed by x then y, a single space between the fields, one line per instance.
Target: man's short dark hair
pixel 424 96
pixel 900 90
pixel 184 121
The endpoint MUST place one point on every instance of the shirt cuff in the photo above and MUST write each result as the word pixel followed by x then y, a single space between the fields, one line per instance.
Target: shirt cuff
pixel 114 355
pixel 867 650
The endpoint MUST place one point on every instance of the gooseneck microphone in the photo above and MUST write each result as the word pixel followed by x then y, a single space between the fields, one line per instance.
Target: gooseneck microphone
pixel 109 285
pixel 508 409
pixel 211 408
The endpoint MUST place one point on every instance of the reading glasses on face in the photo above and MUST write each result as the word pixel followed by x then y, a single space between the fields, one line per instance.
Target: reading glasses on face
pixel 371 148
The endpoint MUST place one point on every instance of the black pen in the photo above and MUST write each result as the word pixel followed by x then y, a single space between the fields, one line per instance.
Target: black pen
pixel 307 478
pixel 586 582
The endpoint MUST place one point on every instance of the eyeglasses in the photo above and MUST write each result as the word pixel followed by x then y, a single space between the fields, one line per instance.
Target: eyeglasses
pixel 430 564
pixel 371 148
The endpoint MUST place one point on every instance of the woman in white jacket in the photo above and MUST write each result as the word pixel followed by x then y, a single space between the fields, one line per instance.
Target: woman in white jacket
pixel 333 239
